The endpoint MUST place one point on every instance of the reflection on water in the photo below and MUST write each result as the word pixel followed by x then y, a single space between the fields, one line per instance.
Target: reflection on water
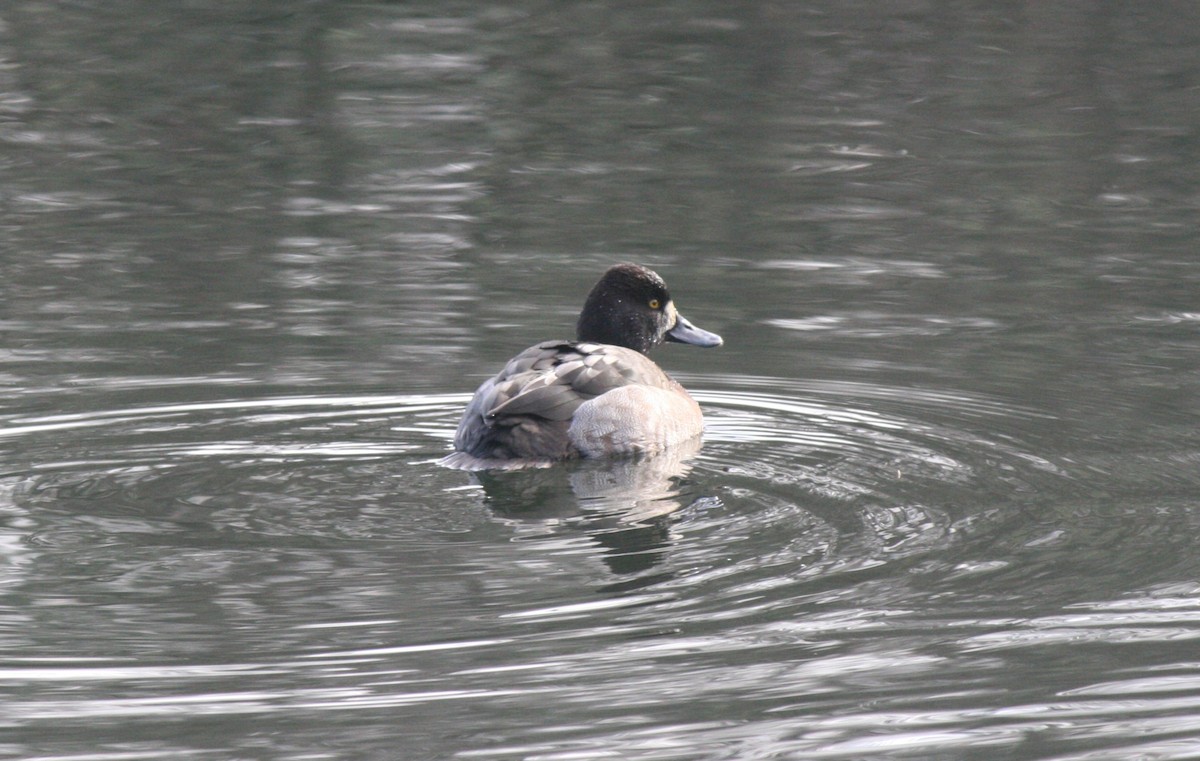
pixel 623 505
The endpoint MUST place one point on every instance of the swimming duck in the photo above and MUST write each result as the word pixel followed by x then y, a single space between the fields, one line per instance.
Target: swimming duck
pixel 596 396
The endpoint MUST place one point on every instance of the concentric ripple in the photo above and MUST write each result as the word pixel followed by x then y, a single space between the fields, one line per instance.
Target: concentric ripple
pixel 848 471
pixel 864 473
pixel 834 559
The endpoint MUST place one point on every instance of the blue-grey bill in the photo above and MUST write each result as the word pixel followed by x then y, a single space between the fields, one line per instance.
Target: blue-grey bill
pixel 686 333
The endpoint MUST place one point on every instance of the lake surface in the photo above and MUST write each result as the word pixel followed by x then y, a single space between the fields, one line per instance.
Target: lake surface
pixel 255 257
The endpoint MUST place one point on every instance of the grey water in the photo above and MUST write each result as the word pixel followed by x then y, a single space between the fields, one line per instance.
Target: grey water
pixel 254 257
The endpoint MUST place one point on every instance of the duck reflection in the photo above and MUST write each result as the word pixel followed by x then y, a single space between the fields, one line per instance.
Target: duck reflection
pixel 623 505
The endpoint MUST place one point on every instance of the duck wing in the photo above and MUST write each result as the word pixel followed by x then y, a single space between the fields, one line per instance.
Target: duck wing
pixel 562 377
pixel 526 409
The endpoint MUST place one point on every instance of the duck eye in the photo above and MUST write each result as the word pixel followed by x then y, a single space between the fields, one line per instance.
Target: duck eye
pixel 654 303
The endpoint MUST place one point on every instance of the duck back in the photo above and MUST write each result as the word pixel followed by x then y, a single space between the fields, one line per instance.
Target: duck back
pixel 556 400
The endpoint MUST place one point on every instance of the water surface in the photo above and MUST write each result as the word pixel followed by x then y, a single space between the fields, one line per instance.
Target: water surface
pixel 254 261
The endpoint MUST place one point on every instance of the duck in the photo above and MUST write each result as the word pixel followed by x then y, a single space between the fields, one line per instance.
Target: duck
pixel 599 395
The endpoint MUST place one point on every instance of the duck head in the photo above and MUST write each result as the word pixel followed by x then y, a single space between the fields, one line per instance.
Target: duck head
pixel 631 307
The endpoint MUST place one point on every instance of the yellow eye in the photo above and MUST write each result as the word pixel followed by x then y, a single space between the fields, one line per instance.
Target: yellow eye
pixel 654 304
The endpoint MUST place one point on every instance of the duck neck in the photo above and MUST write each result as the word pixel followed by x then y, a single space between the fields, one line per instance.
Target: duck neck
pixel 615 328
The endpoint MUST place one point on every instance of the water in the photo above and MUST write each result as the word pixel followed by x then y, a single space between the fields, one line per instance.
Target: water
pixel 253 261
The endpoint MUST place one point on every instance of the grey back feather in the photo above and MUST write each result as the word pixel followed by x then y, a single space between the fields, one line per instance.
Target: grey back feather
pixel 526 409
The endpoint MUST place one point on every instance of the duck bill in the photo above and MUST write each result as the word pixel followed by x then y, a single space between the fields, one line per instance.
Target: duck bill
pixel 685 332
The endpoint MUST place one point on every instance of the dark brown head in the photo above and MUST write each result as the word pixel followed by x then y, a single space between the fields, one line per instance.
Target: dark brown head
pixel 631 307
